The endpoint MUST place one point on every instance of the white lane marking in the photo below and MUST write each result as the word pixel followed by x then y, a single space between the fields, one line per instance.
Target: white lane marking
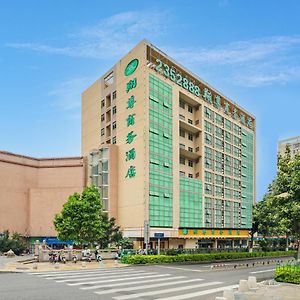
pixel 262 271
pixel 183 269
pixel 48 274
pixel 133 283
pixel 118 279
pixel 143 287
pixel 178 289
pixel 91 275
pixel 105 277
pixel 201 293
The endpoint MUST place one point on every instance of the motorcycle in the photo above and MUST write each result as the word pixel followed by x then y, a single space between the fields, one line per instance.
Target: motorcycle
pixel 52 257
pixel 74 258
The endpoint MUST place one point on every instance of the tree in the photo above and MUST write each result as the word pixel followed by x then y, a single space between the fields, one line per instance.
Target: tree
pixel 81 218
pixel 112 232
pixel 280 209
pixel 125 243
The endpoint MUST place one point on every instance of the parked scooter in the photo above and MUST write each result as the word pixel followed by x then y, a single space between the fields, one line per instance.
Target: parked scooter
pixel 62 257
pixel 86 255
pixel 74 258
pixel 53 257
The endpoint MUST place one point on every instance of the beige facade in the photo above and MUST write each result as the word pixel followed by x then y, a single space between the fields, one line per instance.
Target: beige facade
pixel 292 143
pixel 203 185
pixel 34 190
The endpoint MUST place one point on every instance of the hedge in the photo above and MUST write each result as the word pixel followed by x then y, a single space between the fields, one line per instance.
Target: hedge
pixel 289 274
pixel 158 259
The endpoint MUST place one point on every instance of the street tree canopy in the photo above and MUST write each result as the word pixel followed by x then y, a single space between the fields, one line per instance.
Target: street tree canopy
pixel 81 218
pixel 279 211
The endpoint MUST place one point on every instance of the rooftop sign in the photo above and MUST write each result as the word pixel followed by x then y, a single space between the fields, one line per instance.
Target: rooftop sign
pixel 131 67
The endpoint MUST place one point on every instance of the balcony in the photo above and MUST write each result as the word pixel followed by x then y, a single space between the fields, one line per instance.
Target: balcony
pixel 188 154
pixel 187 126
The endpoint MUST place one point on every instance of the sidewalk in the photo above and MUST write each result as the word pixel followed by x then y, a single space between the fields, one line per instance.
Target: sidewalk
pixel 280 291
pixel 12 265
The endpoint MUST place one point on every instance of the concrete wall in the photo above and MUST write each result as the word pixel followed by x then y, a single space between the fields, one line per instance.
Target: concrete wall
pixel 34 190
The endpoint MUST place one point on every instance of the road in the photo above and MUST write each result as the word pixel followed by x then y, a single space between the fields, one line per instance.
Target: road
pixel 163 282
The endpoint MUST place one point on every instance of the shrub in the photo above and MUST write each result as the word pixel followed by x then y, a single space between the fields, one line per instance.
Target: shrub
pixel 157 259
pixel 16 243
pixel 289 274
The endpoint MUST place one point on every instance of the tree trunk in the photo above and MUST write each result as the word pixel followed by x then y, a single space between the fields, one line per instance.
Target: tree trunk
pixel 298 252
pixel 287 243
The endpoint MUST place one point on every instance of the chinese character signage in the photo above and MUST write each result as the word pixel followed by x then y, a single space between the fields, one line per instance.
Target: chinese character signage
pixel 130 154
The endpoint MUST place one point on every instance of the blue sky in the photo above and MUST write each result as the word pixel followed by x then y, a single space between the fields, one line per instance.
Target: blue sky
pixel 50 51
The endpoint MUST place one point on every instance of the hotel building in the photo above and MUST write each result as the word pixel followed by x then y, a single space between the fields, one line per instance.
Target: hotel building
pixel 173 157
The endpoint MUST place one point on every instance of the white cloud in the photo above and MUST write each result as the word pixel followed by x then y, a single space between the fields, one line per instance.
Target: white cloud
pixel 237 52
pixel 67 95
pixel 111 37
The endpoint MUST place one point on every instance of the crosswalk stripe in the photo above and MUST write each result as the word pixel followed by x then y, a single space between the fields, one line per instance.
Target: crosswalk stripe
pixel 131 283
pixel 178 289
pixel 200 293
pixel 119 279
pixel 143 287
pixel 91 275
pixel 136 273
pixel 47 274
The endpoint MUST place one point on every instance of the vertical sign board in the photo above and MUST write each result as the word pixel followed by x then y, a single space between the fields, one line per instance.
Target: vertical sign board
pixel 146 233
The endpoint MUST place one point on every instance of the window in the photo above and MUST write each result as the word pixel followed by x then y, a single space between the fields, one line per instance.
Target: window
pixel 182 160
pixel 219 179
pixel 102 117
pixel 190 121
pixel 227 124
pixel 114 110
pixel 114 140
pixel 208 189
pixel 218 119
pixel 190 175
pixel 181 104
pixel 190 137
pixel 227 136
pixel 109 79
pixel 102 103
pixel 197 149
pixel 114 125
pixel 190 109
pixel 182 174
pixel 208 113
pixel 197 174
pixel 208 126
pixel 197 122
pixel 236 129
pixel 208 139
pixel 190 149
pixel 191 163
pixel 182 117
pixel 102 131
pixel 181 146
pixel 114 95
pixel 208 176
pixel 181 132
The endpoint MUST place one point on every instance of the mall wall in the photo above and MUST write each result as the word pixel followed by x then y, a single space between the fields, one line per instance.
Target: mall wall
pixel 33 190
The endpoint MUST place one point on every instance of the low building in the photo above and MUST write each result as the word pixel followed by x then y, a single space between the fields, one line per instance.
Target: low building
pixel 33 190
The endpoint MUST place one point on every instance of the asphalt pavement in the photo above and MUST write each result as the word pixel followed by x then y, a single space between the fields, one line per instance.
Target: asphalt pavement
pixel 163 282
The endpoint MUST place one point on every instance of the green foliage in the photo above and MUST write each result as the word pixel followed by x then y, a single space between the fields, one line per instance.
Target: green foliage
pixel 81 218
pixel 112 232
pixel 279 211
pixel 125 243
pixel 289 274
pixel 16 243
pixel 158 259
